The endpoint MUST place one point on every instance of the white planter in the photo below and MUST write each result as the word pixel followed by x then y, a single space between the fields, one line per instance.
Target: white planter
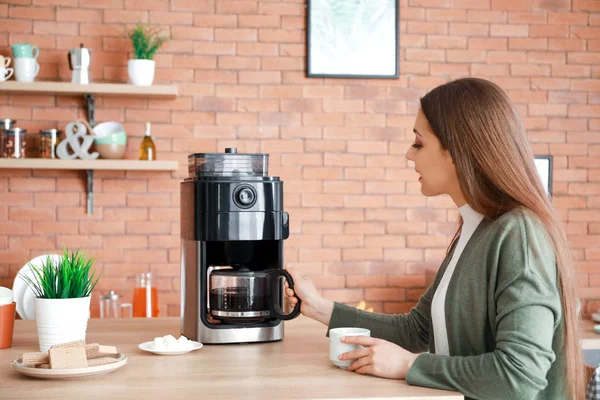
pixel 141 72
pixel 61 320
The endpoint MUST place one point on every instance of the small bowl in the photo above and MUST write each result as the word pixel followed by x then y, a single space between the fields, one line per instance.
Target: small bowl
pixel 111 151
pixel 109 128
pixel 115 138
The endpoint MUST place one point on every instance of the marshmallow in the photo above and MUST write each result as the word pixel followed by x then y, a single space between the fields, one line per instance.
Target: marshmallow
pixel 169 343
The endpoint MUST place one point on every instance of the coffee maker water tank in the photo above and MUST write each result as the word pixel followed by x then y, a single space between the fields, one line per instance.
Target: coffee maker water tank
pixel 79 62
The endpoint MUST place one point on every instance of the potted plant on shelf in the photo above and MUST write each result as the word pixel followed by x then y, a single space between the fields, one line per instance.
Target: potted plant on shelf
pixel 62 288
pixel 145 42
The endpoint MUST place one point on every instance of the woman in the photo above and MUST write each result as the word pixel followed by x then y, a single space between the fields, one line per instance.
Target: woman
pixel 499 321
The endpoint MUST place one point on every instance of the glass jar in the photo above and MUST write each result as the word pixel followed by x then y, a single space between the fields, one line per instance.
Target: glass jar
pixel 13 143
pixel 5 123
pixel 145 297
pixel 112 307
pixel 49 139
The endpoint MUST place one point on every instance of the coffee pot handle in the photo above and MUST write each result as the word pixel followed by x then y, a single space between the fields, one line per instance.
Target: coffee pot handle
pixel 276 310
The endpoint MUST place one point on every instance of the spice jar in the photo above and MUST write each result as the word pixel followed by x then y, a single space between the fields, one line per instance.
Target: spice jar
pixel 13 143
pixel 48 141
pixel 5 123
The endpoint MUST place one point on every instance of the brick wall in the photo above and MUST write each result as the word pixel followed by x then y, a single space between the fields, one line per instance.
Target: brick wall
pixel 360 226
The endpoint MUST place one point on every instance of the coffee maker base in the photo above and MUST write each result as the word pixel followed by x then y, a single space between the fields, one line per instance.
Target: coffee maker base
pixel 239 334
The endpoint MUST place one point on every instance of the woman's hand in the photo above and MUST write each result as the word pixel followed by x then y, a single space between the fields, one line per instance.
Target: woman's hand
pixel 378 357
pixel 313 305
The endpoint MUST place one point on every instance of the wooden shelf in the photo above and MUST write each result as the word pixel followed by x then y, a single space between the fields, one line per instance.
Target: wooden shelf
pixel 127 165
pixel 108 89
pixel 89 166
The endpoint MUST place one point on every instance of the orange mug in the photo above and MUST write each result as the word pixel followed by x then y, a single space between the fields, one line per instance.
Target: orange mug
pixel 7 324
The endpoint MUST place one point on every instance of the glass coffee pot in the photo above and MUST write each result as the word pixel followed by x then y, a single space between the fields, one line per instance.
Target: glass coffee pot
pixel 112 307
pixel 244 296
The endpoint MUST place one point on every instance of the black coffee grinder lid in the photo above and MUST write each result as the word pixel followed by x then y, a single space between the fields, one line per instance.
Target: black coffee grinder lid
pixel 228 164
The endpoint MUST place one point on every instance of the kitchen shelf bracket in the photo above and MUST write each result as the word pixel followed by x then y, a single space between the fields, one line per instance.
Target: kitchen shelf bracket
pixel 89 98
pixel 90 190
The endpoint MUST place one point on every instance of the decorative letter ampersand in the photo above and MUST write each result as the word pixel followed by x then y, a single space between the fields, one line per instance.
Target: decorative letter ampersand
pixel 73 133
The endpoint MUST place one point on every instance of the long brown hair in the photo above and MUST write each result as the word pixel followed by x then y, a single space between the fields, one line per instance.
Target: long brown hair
pixel 475 121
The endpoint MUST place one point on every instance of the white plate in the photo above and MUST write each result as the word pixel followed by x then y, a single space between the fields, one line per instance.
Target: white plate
pixel 68 373
pixel 23 294
pixel 596 317
pixel 148 346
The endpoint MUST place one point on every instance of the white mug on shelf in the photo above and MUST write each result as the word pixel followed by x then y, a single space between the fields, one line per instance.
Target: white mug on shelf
pixel 5 73
pixel 26 69
pixel 4 61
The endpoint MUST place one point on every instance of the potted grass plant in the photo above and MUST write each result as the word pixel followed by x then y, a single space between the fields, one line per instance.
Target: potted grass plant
pixel 62 286
pixel 145 41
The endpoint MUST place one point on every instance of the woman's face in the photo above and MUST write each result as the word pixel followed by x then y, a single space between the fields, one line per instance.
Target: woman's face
pixel 437 172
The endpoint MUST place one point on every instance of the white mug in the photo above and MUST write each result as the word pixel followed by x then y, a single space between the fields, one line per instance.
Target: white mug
pixel 337 348
pixel 26 69
pixel 4 61
pixel 5 73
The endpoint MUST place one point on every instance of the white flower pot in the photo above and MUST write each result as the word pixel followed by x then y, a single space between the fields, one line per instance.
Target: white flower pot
pixel 141 72
pixel 61 320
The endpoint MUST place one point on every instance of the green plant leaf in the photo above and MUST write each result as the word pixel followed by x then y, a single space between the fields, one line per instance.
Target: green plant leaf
pixel 145 41
pixel 68 278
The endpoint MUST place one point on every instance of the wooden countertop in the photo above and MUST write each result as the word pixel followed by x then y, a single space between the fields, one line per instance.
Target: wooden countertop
pixel 296 368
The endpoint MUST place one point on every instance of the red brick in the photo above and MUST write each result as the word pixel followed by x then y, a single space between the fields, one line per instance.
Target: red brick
pixel 465 56
pixel 584 110
pixel 429 3
pixel 490 70
pixel 310 255
pixel 509 30
pixel 488 44
pixel 567 18
pixel 33 13
pixel 366 281
pixel 468 29
pixel 571 71
pixel 343 215
pixel 343 241
pixel 527 43
pixel 586 5
pixel 511 5
pixel 216 20
pixel 567 44
pixel 583 58
pixel 445 15
pixel 550 31
pixel 446 42
pixel 425 55
pixel 322 200
pixel 344 295
pixel 364 201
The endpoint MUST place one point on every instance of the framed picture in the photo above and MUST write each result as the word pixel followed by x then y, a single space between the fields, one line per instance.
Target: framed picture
pixel 353 38
pixel 544 167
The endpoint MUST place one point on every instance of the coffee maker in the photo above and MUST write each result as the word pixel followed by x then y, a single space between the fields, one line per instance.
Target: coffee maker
pixel 232 232
pixel 79 62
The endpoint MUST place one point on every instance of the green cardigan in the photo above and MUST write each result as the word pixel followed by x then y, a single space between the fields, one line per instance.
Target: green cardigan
pixel 503 316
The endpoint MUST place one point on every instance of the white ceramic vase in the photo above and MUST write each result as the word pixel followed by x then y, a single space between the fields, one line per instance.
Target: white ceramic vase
pixel 141 72
pixel 61 320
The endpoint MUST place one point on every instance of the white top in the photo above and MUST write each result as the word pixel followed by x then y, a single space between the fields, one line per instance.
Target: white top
pixel 471 220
